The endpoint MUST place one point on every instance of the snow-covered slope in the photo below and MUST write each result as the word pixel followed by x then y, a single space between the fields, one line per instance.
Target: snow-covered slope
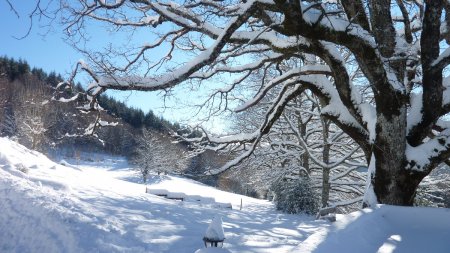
pixel 385 229
pixel 99 207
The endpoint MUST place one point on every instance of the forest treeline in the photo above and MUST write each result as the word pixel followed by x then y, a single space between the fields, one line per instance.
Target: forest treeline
pixel 20 70
pixel 30 115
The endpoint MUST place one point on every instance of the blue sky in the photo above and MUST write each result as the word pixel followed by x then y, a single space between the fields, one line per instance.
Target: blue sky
pixel 45 51
pixel 45 48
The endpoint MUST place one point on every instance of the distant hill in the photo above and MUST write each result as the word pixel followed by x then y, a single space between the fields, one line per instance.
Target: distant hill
pixel 30 116
pixel 28 113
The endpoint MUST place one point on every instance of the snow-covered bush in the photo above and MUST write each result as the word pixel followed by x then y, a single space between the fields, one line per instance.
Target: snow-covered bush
pixel 156 152
pixel 295 196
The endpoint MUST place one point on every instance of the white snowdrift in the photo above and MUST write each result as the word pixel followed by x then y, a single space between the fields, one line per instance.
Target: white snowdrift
pixel 385 229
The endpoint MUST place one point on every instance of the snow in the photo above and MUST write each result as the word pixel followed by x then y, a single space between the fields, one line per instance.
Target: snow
pixel 241 137
pixel 420 157
pixel 106 123
pixel 150 19
pixel 369 195
pixel 158 192
pixel 67 100
pixel 212 250
pixel 215 230
pixel 415 115
pixel 384 229
pixel 335 106
pixel 195 191
pixel 338 24
pixel 176 195
pixel 443 56
pixel 391 76
pixel 446 93
pixel 98 204
pixel 369 115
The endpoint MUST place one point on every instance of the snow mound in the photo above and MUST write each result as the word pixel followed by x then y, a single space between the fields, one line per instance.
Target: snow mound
pixel 215 230
pixel 385 229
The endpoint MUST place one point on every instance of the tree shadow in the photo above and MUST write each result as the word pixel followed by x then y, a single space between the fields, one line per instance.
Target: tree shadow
pixel 156 179
pixel 154 224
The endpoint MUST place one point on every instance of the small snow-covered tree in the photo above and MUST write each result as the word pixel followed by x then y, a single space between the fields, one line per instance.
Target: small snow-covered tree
pixel 156 153
pixel 145 154
pixel 33 114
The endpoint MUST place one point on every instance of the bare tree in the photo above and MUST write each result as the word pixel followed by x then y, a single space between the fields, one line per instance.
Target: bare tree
pixel 397 117
pixel 156 153
pixel 300 144
pixel 33 113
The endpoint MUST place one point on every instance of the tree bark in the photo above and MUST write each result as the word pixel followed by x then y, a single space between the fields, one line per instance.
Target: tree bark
pixel 305 156
pixel 393 183
pixel 326 160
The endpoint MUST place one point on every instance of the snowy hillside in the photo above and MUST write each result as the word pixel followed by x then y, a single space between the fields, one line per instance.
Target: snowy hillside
pixel 100 206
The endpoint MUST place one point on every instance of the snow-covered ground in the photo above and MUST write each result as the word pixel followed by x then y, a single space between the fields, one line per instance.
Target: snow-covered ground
pixel 386 229
pixel 100 206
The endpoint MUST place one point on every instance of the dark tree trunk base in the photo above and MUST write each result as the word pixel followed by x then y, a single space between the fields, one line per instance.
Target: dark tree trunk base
pixel 397 188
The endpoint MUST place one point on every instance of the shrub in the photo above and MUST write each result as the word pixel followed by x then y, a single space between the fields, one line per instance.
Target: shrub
pixel 295 196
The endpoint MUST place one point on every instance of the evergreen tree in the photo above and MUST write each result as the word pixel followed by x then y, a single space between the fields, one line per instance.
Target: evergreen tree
pixel 295 196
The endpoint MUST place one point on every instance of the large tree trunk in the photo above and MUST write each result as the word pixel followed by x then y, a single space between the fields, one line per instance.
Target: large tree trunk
pixel 392 183
pixel 396 189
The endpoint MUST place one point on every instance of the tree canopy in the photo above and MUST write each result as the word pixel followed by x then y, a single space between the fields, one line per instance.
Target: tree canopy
pixel 377 67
